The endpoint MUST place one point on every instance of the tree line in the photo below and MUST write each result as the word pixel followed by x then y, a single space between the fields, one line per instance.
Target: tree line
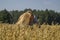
pixel 43 16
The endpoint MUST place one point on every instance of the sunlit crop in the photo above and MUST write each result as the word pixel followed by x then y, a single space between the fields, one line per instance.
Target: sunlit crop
pixel 42 32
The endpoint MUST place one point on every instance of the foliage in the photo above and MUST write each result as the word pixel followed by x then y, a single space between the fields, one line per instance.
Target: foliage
pixel 5 16
pixel 43 16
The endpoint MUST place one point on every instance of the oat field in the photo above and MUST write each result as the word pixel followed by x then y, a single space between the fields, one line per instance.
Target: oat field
pixel 44 32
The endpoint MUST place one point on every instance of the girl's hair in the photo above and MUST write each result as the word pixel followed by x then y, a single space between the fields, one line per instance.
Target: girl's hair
pixel 29 11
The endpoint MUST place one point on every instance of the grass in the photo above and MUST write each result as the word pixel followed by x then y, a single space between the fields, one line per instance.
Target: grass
pixel 14 32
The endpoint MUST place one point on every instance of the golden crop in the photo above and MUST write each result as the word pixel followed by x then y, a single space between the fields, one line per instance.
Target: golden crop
pixel 14 32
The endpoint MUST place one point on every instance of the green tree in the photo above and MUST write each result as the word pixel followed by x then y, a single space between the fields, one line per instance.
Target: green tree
pixel 5 16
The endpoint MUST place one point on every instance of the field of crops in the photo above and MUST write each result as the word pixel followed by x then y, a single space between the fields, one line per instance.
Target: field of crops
pixel 44 32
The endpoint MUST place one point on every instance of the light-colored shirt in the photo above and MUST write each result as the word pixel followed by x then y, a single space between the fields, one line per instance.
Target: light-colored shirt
pixel 35 19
